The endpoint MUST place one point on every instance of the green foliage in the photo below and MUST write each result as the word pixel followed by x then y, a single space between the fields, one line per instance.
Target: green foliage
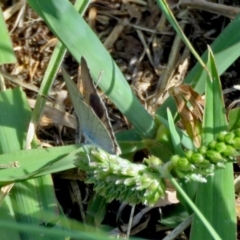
pixel 116 177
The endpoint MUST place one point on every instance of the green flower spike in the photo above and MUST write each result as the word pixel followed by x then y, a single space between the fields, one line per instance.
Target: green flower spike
pixel 117 178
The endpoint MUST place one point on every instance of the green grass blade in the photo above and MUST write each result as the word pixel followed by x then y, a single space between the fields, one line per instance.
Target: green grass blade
pixel 189 187
pixel 214 119
pixel 6 49
pixel 205 223
pixel 174 135
pixel 26 198
pixel 169 15
pixel 96 211
pixel 13 120
pixel 80 40
pixel 216 198
pixel 234 117
pixel 48 161
pixel 52 233
pixel 7 215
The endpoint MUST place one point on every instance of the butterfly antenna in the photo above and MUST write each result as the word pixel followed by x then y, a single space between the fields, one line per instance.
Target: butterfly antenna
pixel 99 78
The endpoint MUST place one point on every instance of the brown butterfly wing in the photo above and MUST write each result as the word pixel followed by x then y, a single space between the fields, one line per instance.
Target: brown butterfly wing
pixel 92 98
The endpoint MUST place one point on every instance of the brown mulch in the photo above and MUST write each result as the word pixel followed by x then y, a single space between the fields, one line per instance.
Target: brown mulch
pixel 144 46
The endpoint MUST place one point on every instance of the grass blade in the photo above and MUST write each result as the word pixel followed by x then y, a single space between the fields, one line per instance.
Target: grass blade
pixel 169 15
pixel 26 198
pixel 6 49
pixel 48 161
pixel 219 189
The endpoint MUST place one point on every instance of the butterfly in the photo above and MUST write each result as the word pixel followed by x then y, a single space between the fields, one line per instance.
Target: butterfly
pixel 91 112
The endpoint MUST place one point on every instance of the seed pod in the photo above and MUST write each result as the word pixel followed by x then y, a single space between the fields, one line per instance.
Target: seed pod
pixel 197 158
pixel 180 162
pixel 220 147
pixel 205 164
pixel 153 186
pixel 188 154
pixel 220 137
pixel 152 161
pixel 202 150
pixel 129 182
pixel 214 156
pixel 237 132
pixel 142 187
pixel 151 196
pixel 174 160
pixel 236 142
pixel 143 182
pixel 131 170
pixel 212 144
pixel 229 151
pixel 228 138
pixel 185 166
